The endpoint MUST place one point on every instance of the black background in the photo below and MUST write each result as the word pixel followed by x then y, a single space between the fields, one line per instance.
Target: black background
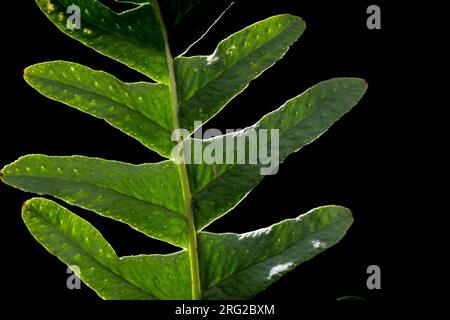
pixel 354 164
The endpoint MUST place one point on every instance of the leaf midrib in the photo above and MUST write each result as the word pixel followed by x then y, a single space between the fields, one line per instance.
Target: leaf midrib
pixel 183 175
pixel 174 213
pixel 86 91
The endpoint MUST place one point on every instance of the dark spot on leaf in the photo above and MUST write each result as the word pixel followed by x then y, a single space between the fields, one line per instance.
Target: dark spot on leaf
pixel 25 205
pixel 1 175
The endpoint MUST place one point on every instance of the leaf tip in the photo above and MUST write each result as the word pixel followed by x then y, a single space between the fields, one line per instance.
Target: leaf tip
pixel 350 215
pixel 25 73
pixel 347 212
pixel 30 203
pixel 361 84
pixel 302 20
pixel 25 205
pixel 365 82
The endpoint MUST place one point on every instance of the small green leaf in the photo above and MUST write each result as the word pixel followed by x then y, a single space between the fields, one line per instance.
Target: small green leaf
pixel 78 243
pixel 146 197
pixel 142 110
pixel 134 37
pixel 210 82
pixel 239 266
pixel 300 121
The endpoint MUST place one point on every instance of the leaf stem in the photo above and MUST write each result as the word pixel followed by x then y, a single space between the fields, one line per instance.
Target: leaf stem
pixel 192 231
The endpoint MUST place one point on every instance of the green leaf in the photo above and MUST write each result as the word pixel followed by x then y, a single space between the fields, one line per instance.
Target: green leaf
pixel 146 197
pixel 239 266
pixel 77 243
pixel 134 37
pixel 210 82
pixel 300 121
pixel 142 110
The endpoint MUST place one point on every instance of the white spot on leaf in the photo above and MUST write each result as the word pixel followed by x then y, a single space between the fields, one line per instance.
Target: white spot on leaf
pixel 212 59
pixel 279 269
pixel 318 244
